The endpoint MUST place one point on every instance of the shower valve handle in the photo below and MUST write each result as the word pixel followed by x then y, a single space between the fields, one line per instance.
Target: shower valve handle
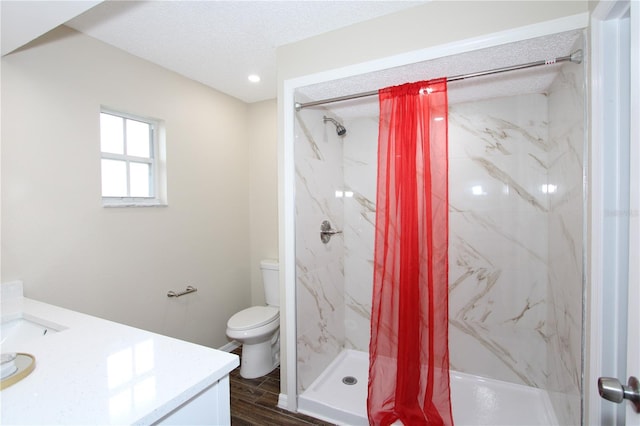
pixel 326 231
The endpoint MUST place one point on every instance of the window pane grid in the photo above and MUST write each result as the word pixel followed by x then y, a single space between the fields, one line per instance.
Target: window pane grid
pixel 143 183
pixel 111 133
pixel 138 137
pixel 114 178
pixel 128 161
pixel 139 181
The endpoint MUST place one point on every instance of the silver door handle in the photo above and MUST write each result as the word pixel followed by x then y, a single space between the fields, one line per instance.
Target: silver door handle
pixel 612 390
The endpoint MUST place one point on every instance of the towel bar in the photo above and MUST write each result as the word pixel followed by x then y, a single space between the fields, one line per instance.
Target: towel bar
pixel 189 289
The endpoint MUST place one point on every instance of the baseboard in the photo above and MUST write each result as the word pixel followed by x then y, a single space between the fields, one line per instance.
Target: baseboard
pixel 282 401
pixel 230 347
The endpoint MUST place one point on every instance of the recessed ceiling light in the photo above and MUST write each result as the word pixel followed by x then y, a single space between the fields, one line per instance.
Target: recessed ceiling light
pixel 254 78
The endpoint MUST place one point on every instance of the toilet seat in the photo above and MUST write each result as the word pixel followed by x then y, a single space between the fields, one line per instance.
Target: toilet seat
pixel 253 317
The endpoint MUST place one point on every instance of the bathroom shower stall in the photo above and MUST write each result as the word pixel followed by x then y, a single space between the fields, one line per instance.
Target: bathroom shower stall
pixel 516 238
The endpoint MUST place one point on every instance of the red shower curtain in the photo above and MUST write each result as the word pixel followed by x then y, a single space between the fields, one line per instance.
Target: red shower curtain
pixel 409 350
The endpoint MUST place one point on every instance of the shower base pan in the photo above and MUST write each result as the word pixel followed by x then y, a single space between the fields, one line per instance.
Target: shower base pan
pixel 333 397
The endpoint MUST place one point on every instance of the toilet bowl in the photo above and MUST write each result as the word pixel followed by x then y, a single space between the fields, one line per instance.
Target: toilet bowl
pixel 251 325
pixel 257 328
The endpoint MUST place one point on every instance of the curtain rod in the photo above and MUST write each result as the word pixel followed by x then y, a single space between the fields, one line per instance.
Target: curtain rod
pixel 576 57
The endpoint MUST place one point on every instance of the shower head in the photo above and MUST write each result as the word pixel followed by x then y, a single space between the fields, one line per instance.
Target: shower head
pixel 340 130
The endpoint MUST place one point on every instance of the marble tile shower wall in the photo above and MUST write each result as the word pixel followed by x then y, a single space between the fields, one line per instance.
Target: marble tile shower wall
pixel 498 212
pixel 502 204
pixel 319 267
pixel 566 269
pixel 360 169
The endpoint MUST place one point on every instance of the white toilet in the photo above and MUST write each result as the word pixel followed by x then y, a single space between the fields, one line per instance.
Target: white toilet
pixel 257 328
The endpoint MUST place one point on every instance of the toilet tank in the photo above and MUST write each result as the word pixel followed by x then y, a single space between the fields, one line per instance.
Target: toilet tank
pixel 270 281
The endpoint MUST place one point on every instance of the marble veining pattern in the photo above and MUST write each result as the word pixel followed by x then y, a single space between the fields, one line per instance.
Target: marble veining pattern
pixel 498 227
pixel 319 267
pixel 566 269
pixel 515 280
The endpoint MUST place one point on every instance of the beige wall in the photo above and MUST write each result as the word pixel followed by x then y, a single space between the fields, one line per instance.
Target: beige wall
pixel 263 180
pixel 119 263
pixel 433 24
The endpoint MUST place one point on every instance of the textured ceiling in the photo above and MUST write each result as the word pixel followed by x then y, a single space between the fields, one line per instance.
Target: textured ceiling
pixel 219 43
pixel 532 80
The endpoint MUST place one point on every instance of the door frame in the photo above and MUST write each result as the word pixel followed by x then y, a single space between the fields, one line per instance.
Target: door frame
pixel 633 343
pixel 608 339
pixel 633 340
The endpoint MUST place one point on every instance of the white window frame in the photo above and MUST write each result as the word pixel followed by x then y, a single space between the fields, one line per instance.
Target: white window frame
pixel 157 162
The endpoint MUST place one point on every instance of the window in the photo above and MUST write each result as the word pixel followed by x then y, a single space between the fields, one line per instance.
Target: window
pixel 129 160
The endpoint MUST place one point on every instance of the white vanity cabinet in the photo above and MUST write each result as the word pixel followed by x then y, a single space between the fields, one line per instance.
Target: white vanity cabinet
pixel 94 371
pixel 210 407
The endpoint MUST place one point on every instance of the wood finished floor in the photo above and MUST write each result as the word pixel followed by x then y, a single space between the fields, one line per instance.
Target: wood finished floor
pixel 255 402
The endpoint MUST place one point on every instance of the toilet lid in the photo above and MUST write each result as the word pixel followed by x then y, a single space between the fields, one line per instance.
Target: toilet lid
pixel 253 317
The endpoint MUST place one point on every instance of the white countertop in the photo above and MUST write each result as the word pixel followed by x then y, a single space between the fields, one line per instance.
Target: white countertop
pixel 100 372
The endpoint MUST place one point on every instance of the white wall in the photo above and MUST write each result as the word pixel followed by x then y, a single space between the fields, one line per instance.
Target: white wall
pixel 119 263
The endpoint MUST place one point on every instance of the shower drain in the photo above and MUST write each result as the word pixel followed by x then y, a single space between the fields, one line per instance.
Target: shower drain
pixel 349 380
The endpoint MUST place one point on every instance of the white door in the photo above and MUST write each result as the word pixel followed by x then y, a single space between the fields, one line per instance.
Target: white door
pixel 615 231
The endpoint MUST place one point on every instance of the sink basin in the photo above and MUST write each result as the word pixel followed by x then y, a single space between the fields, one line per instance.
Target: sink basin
pixel 14 332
